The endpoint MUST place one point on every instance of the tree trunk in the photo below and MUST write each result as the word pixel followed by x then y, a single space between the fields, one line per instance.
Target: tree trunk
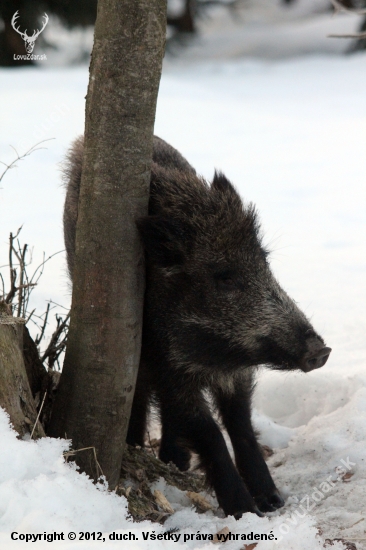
pixel 15 393
pixel 95 395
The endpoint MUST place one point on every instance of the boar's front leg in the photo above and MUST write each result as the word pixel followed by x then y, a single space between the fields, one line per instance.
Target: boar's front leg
pixel 187 423
pixel 235 409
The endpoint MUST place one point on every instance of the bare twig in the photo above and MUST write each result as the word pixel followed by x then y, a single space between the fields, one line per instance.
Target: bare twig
pixel 39 413
pixel 229 4
pixel 73 452
pixel 339 7
pixel 22 289
pixel 21 157
pixel 12 291
pixel 39 338
pixel 13 273
pixel 29 316
pixel 56 344
pixel 58 305
pixel 41 266
pixel 3 287
pixel 358 35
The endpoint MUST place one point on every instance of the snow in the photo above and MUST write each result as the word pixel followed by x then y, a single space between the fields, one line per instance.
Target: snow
pixel 268 29
pixel 41 493
pixel 289 130
pixel 37 489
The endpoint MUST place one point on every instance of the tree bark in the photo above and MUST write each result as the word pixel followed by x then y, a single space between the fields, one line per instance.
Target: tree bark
pixel 36 372
pixel 15 393
pixel 95 395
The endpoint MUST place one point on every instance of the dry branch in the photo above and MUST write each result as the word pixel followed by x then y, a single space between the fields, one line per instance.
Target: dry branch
pixel 58 341
pixel 18 296
pixel 72 453
pixel 358 35
pixel 15 301
pixel 339 7
pixel 22 157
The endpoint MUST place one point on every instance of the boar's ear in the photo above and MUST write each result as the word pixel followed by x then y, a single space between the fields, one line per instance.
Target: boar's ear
pixel 221 184
pixel 166 240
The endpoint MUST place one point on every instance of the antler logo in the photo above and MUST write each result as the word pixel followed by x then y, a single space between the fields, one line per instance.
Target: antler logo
pixel 29 40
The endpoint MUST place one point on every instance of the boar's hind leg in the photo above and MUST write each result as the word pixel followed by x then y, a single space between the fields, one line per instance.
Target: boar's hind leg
pixel 236 415
pixel 190 423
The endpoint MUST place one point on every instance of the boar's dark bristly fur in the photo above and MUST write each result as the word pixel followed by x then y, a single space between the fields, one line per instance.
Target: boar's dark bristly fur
pixel 213 312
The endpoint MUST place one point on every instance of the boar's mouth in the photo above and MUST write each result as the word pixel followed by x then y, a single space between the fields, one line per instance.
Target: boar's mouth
pixel 213 350
pixel 276 357
pixel 315 359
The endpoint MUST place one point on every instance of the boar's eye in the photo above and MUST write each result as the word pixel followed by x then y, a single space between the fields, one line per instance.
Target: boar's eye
pixel 226 281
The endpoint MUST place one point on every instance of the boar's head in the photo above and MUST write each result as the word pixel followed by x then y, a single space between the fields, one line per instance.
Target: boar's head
pixel 211 294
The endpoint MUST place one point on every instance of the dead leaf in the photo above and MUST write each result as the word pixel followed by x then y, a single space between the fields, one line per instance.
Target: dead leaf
pixel 224 531
pixel 266 451
pixel 347 477
pixel 163 502
pixel 199 501
pixel 347 544
pixel 140 474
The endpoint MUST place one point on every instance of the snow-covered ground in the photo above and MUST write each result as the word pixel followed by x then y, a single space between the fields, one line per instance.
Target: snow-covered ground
pixel 269 29
pixel 291 134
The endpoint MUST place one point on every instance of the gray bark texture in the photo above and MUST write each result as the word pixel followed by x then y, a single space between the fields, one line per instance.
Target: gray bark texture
pixel 15 393
pixel 95 395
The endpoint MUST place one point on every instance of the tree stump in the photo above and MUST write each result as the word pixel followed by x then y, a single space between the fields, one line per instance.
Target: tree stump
pixel 15 393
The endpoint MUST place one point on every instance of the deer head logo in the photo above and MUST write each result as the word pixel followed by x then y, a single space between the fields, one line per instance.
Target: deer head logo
pixel 29 40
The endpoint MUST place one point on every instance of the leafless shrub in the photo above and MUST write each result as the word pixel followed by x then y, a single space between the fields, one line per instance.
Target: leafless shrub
pixel 21 283
pixel 57 343
pixel 17 297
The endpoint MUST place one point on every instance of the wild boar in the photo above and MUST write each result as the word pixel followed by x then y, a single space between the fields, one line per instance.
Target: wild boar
pixel 213 313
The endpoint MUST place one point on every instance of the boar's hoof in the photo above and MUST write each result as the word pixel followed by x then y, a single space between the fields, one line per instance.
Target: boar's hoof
pixel 258 512
pixel 170 452
pixel 270 503
pixel 315 360
pixel 255 510
pixel 237 501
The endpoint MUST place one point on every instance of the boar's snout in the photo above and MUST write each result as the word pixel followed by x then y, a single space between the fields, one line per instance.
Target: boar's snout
pixel 316 356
